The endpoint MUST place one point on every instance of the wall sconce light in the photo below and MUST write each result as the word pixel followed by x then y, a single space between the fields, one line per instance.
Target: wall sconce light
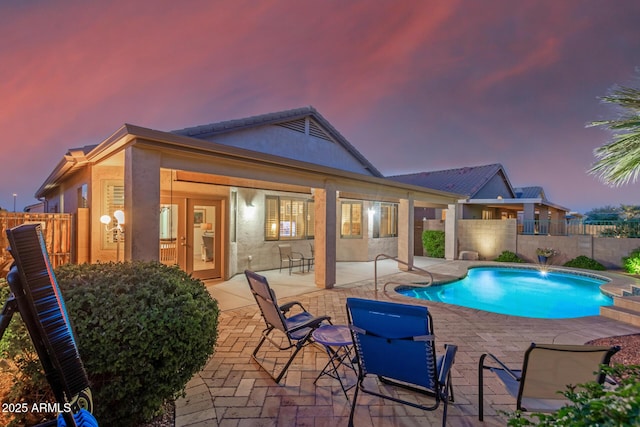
pixel 118 229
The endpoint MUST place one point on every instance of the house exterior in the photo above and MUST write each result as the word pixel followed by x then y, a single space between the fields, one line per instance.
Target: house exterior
pixel 220 198
pixel 488 194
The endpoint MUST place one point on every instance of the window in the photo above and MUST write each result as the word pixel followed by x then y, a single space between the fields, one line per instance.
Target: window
pixel 385 220
pixel 487 214
pixel 351 223
pixel 288 218
pixel 113 200
pixel 83 194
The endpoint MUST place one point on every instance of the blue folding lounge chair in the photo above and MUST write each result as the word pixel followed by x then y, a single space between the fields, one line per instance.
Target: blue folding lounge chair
pixel 546 372
pixel 296 328
pixel 395 342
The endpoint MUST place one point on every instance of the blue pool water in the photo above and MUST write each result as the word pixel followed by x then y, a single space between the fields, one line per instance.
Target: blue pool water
pixel 520 292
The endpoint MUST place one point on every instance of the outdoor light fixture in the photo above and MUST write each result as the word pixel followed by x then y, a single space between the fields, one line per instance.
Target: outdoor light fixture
pixel 118 230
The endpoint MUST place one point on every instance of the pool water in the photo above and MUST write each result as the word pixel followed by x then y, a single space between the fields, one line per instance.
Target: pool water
pixel 520 292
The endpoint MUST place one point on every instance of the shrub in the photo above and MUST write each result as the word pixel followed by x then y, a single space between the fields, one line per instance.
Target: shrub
pixel 433 243
pixel 508 256
pixel 143 330
pixel 594 404
pixel 585 262
pixel 631 263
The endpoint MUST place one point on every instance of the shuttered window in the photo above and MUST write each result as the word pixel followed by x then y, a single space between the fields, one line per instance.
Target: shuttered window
pixel 287 218
pixel 272 216
pixel 113 200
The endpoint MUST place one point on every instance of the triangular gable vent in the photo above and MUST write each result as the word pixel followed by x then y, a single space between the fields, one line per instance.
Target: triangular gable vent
pixel 307 127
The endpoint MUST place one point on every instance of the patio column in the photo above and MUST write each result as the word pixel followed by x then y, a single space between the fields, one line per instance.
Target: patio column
pixel 405 232
pixel 141 204
pixel 529 218
pixel 558 223
pixel 451 233
pixel 543 219
pixel 325 236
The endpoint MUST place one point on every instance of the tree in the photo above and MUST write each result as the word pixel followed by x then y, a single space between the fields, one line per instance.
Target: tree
pixel 605 213
pixel 629 212
pixel 618 161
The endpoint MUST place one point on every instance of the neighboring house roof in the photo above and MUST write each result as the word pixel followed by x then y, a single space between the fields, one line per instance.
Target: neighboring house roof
pixel 535 192
pixel 468 180
pixel 293 119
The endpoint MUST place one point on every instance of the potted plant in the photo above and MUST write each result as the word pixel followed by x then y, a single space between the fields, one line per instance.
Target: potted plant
pixel 545 253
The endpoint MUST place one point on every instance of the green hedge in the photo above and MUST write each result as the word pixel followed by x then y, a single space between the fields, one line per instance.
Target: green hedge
pixel 631 263
pixel 508 256
pixel 143 330
pixel 585 262
pixel 433 243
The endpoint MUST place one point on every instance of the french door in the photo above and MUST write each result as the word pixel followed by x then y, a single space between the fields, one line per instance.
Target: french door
pixel 202 238
pixel 191 236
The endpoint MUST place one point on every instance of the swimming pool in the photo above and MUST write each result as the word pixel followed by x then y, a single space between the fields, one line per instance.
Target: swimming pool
pixel 522 292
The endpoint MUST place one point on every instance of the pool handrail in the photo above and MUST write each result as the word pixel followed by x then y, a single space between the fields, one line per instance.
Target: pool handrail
pixel 411 267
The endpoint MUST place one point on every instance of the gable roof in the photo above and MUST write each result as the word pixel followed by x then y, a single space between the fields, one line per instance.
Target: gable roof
pixel 467 180
pixel 292 119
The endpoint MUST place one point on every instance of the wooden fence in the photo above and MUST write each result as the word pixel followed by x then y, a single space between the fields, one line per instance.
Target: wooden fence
pixel 57 229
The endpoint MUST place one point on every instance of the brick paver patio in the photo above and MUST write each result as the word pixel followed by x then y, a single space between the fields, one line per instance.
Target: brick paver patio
pixel 232 391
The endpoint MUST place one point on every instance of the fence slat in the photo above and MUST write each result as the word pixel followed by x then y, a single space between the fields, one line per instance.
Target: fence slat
pixel 57 232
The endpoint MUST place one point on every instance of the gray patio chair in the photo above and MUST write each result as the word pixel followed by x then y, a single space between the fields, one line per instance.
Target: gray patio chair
pixel 295 328
pixel 291 258
pixel 547 370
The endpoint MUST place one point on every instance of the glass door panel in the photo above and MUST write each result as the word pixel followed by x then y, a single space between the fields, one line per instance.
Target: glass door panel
pixel 169 233
pixel 204 253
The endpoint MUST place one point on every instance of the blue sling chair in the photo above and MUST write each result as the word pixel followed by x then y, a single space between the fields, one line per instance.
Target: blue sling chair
pixel 395 343
pixel 295 328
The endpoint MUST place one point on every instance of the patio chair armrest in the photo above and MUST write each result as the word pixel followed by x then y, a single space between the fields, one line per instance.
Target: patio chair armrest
pixel 286 307
pixel 314 322
pixel 610 381
pixel 296 253
pixel 511 373
pixel 447 362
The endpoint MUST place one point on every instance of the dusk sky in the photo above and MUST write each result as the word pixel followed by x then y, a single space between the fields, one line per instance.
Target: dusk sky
pixel 413 85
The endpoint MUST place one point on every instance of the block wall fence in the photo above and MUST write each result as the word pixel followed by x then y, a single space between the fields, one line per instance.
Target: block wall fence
pixel 490 237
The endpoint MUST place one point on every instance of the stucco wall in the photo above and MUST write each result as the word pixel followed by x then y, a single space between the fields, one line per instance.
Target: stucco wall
pixel 285 142
pixel 494 188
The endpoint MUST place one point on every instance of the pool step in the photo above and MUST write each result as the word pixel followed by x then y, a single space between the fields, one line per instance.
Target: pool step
pixel 624 309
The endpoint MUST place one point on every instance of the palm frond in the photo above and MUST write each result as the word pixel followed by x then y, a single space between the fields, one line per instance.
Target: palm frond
pixel 618 161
